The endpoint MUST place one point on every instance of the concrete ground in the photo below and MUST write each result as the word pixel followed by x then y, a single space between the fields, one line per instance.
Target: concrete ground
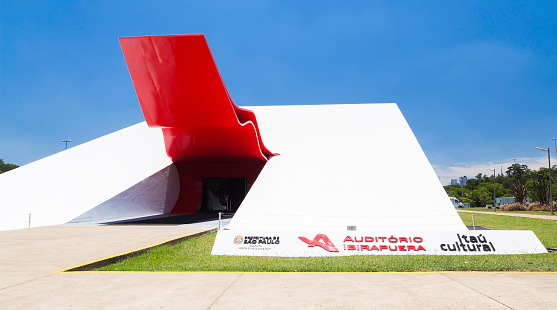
pixel 29 259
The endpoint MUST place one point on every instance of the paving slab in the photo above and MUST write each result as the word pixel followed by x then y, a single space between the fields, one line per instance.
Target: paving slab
pixel 28 254
pixel 282 291
pixel 516 290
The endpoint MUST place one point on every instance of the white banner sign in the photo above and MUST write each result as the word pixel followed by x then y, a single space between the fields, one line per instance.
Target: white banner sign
pixel 336 243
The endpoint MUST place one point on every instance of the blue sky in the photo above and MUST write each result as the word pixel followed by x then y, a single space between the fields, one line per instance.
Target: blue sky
pixel 476 80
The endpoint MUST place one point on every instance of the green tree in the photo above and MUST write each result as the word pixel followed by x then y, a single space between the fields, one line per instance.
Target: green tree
pixel 518 181
pixel 472 183
pixel 6 167
pixel 518 173
pixel 457 192
pixel 481 194
pixel 540 186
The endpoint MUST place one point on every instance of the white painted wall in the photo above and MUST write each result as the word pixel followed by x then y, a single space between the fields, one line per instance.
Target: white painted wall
pixel 341 165
pixel 61 187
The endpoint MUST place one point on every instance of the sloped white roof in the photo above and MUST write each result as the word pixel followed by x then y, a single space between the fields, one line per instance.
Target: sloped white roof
pixel 63 186
pixel 343 165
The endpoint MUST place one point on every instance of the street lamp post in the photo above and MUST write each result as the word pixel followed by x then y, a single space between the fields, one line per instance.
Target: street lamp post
pixel 494 199
pixel 550 191
pixel 462 186
pixel 66 141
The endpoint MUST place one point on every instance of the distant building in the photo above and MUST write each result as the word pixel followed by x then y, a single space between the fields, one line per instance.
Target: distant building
pixel 508 200
pixel 460 181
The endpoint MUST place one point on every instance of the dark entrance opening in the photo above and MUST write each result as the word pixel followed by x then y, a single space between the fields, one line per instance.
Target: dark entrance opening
pixel 223 194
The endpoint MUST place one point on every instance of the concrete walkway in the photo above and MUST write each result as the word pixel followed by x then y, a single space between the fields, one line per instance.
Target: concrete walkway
pixel 29 259
pixel 30 254
pixel 534 216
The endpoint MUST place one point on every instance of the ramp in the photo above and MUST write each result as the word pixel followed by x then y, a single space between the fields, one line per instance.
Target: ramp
pixel 129 165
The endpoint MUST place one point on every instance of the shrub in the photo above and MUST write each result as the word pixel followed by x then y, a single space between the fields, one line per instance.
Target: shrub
pixel 535 206
pixel 514 207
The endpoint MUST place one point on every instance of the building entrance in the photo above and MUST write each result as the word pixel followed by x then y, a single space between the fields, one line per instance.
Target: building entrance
pixel 223 194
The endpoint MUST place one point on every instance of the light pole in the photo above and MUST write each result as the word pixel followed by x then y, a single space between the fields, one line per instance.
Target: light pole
pixel 462 187
pixel 550 192
pixel 494 199
pixel 66 141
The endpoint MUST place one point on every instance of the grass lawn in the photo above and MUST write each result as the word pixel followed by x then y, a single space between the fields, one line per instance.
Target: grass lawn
pixel 545 230
pixel 512 212
pixel 195 255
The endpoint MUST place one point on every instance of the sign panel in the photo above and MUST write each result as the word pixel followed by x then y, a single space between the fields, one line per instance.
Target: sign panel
pixel 338 243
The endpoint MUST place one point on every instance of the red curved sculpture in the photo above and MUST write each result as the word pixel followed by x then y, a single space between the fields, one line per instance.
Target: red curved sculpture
pixel 206 135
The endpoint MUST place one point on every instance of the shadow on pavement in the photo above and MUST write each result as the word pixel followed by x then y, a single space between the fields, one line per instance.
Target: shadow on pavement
pixel 177 219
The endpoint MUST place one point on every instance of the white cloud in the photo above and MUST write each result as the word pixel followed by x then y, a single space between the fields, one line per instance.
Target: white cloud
pixel 470 170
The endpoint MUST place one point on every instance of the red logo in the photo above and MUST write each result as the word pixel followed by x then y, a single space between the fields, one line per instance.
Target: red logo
pixel 326 244
pixel 238 240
